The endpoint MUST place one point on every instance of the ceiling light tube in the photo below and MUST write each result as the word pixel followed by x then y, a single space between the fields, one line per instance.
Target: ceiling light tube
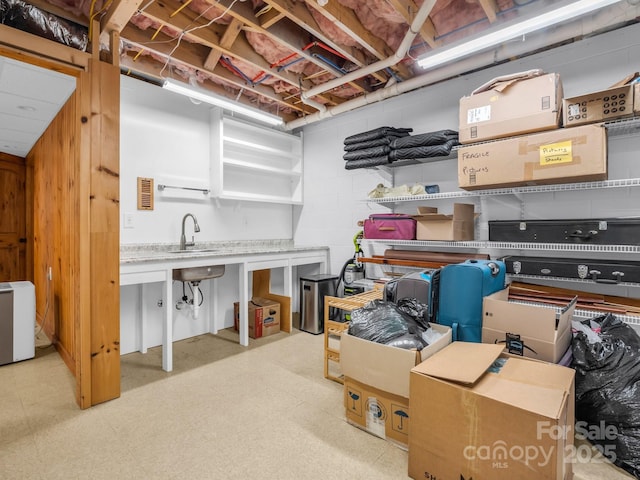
pixel 492 39
pixel 212 99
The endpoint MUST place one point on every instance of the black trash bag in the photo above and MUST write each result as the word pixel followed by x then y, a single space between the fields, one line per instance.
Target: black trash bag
pixel 416 310
pixel 608 390
pixel 382 322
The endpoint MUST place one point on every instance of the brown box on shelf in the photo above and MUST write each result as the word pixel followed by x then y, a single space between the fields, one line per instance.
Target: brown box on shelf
pixel 532 331
pixel 559 156
pixel 514 106
pixel 264 317
pixel 478 413
pixel 617 101
pixel 376 383
pixel 458 226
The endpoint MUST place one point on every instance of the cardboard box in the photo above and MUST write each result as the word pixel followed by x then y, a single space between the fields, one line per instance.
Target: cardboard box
pixel 477 413
pixel 617 101
pixel 264 317
pixel 511 107
pixel 559 156
pixel 537 331
pixel 432 225
pixel 376 383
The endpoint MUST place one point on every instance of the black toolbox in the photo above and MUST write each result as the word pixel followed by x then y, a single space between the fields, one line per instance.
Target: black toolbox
pixel 602 271
pixel 606 231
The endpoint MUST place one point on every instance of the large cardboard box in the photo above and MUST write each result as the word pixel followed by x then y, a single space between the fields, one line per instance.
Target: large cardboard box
pixel 559 156
pixel 510 107
pixel 376 383
pixel 477 413
pixel 264 317
pixel 617 101
pixel 458 226
pixel 540 331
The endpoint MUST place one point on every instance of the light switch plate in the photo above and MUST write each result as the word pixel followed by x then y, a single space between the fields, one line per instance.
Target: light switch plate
pixel 128 220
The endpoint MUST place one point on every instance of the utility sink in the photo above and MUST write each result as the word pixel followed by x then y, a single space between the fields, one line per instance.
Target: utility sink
pixel 197 274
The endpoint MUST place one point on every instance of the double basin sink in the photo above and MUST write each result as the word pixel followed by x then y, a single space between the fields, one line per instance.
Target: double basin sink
pixel 197 274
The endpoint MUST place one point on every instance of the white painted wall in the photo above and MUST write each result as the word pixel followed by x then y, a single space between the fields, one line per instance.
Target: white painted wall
pixel 166 137
pixel 333 196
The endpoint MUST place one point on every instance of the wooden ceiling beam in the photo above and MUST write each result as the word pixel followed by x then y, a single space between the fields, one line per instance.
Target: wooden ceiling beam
pixel 270 17
pixel 299 14
pixel 408 9
pixel 286 33
pixel 228 37
pixel 161 13
pixel 346 20
pixel 490 8
pixel 117 16
pixel 192 55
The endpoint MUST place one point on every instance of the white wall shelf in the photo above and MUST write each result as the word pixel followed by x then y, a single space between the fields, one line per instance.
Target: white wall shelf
pixel 487 245
pixel 254 163
pixel 627 182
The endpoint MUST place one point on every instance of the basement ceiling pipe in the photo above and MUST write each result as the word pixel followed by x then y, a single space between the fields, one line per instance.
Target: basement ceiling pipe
pixel 401 52
pixel 489 58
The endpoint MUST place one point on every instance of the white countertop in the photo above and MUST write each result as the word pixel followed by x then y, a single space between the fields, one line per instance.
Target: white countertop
pixel 159 252
pixel 146 263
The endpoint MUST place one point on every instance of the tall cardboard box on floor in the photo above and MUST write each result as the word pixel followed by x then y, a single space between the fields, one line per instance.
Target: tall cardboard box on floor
pixel 481 414
pixel 511 105
pixel 376 383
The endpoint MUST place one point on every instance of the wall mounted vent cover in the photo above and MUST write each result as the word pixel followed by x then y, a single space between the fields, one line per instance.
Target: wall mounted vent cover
pixel 145 193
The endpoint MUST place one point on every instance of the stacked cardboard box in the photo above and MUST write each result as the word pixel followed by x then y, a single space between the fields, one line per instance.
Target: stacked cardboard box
pixel 376 383
pixel 558 156
pixel 618 101
pixel 515 105
pixel 530 330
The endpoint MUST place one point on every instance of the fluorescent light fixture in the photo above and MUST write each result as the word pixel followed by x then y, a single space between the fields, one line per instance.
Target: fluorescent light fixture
pixel 207 97
pixel 491 39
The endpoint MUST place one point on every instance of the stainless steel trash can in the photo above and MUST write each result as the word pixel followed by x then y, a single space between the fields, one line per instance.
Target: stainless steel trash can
pixel 313 289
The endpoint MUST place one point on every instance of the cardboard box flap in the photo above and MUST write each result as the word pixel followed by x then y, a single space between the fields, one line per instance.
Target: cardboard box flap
pixel 517 391
pixel 626 80
pixel 461 362
pixel 504 81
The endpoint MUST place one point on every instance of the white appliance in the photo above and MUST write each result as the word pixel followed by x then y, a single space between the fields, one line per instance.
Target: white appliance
pixel 17 321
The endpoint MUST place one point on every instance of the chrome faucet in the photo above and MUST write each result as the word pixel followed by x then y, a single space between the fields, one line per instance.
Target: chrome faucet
pixel 196 228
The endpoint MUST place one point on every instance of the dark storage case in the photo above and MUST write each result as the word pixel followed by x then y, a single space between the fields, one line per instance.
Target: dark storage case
pixel 602 271
pixel 607 231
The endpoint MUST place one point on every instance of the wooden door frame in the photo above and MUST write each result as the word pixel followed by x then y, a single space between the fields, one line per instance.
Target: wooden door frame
pixel 97 363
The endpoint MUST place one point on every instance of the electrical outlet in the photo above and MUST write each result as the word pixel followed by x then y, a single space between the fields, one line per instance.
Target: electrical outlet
pixel 49 273
pixel 128 220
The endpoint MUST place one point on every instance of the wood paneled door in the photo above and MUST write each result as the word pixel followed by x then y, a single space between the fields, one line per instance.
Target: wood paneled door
pixel 12 219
